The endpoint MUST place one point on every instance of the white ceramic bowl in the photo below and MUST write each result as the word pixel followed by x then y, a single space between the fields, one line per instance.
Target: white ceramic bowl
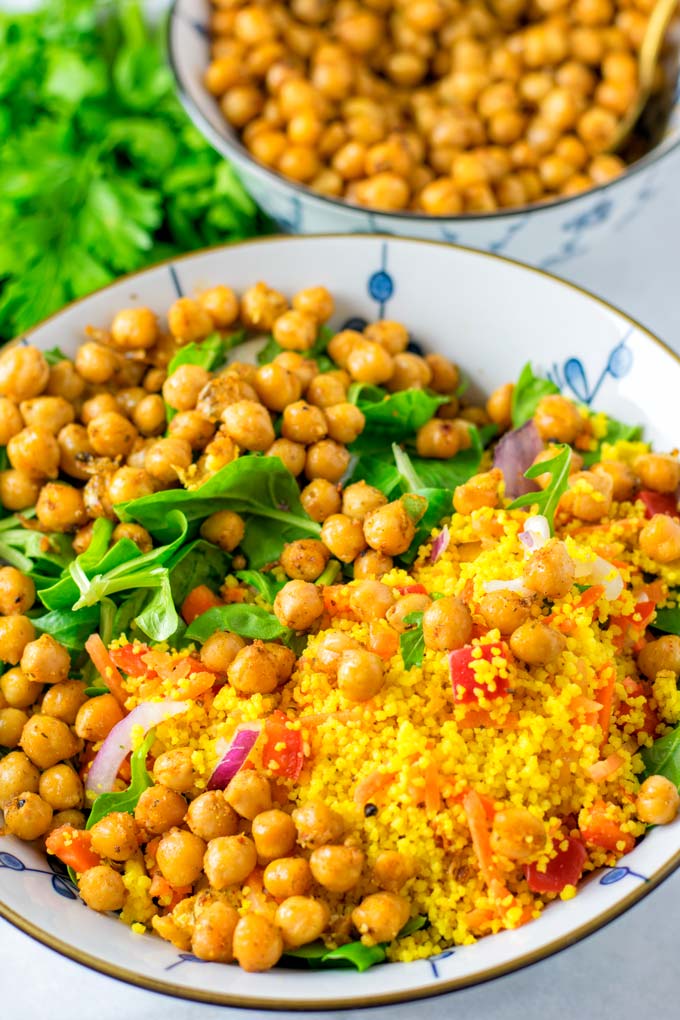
pixel 491 315
pixel 548 236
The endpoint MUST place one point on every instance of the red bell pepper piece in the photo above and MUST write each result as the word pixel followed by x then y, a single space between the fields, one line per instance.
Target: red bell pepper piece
pixel 129 658
pixel 564 869
pixel 467 685
pixel 659 503
pixel 283 751
pixel 412 589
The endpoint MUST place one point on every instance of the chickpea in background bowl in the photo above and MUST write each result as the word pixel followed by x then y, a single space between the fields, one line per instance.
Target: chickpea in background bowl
pixel 431 106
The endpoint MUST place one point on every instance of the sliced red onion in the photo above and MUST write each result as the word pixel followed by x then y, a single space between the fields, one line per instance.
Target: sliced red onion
pixel 514 454
pixel 104 769
pixel 517 585
pixel 600 571
pixel 235 756
pixel 440 544
pixel 536 532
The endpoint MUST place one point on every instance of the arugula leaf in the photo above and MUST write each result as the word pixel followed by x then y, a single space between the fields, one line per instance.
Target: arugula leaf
pixel 412 642
pixel 71 629
pixel 663 757
pixel 246 620
pixel 264 583
pixel 528 390
pixel 260 487
pixel 667 620
pixel 392 418
pixel 547 499
pixel 617 431
pixel 210 353
pixel 126 800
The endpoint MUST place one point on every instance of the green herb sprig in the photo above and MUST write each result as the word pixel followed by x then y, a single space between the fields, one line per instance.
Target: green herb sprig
pixel 547 499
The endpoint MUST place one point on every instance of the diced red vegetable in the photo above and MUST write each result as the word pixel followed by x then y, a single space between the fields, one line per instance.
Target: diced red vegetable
pixel 73 847
pixel 283 751
pixel 199 601
pixel 130 659
pixel 599 829
pixel 633 625
pixel 412 589
pixel 659 503
pixel 564 869
pixel 467 686
pixel 637 689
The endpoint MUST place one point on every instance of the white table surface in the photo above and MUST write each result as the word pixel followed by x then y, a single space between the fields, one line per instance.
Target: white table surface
pixel 628 970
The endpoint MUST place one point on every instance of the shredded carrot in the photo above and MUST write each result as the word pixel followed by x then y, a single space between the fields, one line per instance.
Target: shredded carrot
pixel 73 847
pixel 605 696
pixel 194 685
pixel 479 831
pixel 586 709
pixel 199 601
pixel 168 895
pixel 105 666
pixel 602 770
pixel 371 786
pixel 317 719
pixel 589 596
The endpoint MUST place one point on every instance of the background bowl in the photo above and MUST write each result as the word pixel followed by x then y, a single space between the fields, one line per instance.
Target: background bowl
pixel 547 236
pixel 490 315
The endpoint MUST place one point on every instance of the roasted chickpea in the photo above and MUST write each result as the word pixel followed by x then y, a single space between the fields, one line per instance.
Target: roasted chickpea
pixel 499 406
pixel 193 428
pixel 224 528
pixel 295 330
pixel 130 483
pixel 45 661
pixel 410 372
pixel 292 455
pixel 389 529
pixel 166 458
pixel 328 389
pixel 536 643
pixel 159 809
pixel 220 650
pixel 380 917
pixel 210 816
pixel 19 490
pixel 61 507
pixel 181 389
pixel 261 306
pixel 326 459
pixel 342 344
pixel 213 933
pixel 180 857
pixel 97 717
pixel 27 816
pixel 221 304
pixel 343 536
pixel 369 362
pixel 65 382
pixel 370 600
pixel 304 423
pixel 505 610
pixel 100 403
pixel 274 834
pixel 62 700
pixel 249 424
pixel 253 670
pixel 438 438
pixel 61 787
pixel 95 363
pixel 517 834
pixel 134 328
pixel 550 571
pixel 112 435
pixel 47 741
pixel 189 321
pixel 23 373
pixel 337 868
pixel 287 876
pixel 249 794
pixel 371 564
pixel 258 943
pixel 661 654
pixel 345 422
pixel 34 452
pixel 321 500
pixel 304 559
pixel 12 722
pixel 392 870
pixel 11 421
pixel 116 836
pixel 301 920
pixel 624 479
pixel 15 633
pixel 317 824
pixel 18 775
pixel 276 386
pixel 175 770
pixel 134 533
pixel 360 674
pixel 658 471
pixel 298 604
pixel 558 419
pixel 660 539
pixel 229 860
pixel 413 602
pixel 18 690
pixel 17 591
pixel 447 624
pixel 657 801
pixel 101 888
pixel 589 496
pixel 50 413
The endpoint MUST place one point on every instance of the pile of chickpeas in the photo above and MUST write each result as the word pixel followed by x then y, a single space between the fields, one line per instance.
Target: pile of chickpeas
pixel 83 435
pixel 437 106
